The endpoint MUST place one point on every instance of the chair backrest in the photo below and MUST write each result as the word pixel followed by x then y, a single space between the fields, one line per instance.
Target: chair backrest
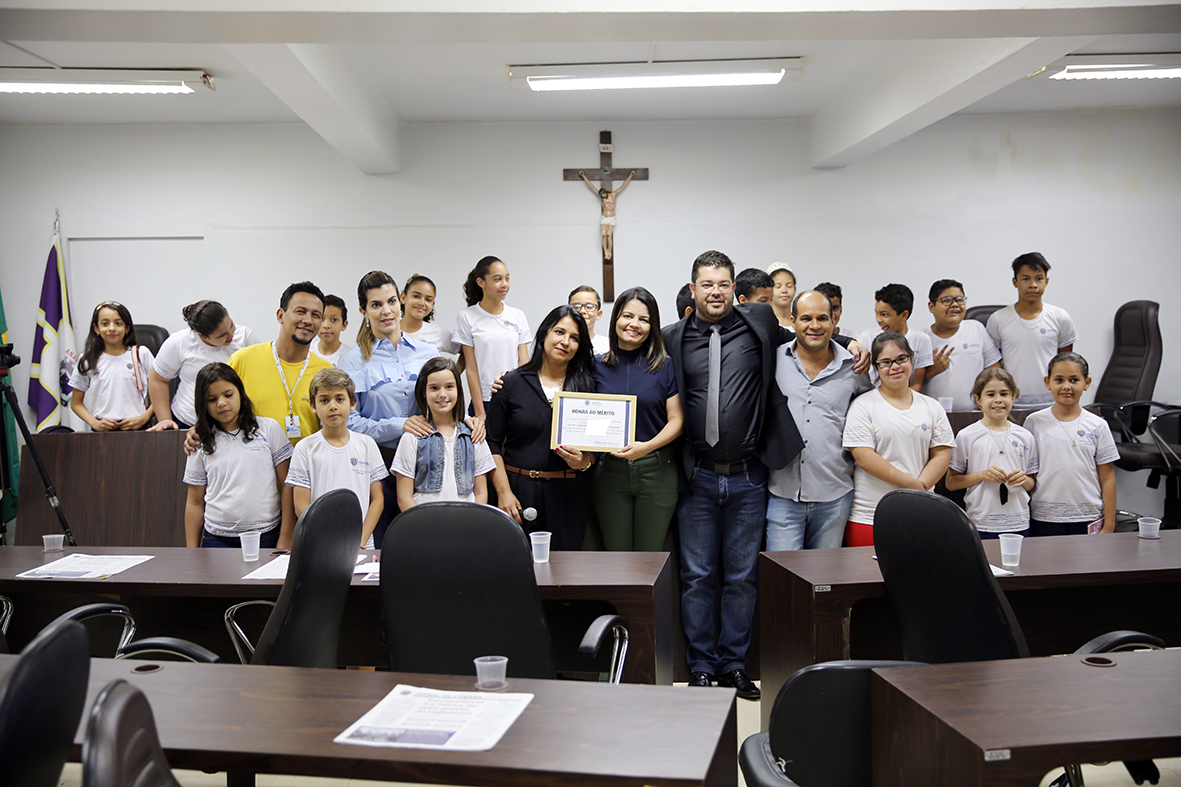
pixel 122 746
pixel 41 703
pixel 457 582
pixel 822 721
pixel 151 336
pixel 947 601
pixel 983 312
pixel 1135 362
pixel 304 627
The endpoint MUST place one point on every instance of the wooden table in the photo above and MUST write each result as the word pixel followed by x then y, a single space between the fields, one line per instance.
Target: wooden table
pixel 184 592
pixel 824 604
pixel 1010 722
pixel 283 720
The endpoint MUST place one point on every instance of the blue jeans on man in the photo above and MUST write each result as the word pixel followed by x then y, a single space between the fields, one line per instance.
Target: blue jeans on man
pixel 721 531
pixel 796 525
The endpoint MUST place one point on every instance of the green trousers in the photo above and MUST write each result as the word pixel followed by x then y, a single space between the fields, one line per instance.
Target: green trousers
pixel 635 501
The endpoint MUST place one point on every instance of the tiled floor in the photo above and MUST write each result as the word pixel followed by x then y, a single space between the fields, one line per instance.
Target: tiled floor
pixel 1113 775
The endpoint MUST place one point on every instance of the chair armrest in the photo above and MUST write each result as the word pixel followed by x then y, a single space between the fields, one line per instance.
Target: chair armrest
pixel 242 643
pixel 758 764
pixel 597 633
pixel 181 648
pixel 1121 640
pixel 88 611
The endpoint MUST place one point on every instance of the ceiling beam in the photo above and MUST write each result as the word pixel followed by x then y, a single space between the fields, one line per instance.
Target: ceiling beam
pixel 924 82
pixel 332 98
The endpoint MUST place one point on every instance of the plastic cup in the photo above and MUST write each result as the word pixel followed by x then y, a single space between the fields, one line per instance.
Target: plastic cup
pixel 250 546
pixel 1011 549
pixel 56 542
pixel 490 672
pixel 1149 527
pixel 540 541
pixel 946 402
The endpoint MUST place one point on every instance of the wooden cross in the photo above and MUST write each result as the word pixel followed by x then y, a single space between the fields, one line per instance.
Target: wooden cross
pixel 606 175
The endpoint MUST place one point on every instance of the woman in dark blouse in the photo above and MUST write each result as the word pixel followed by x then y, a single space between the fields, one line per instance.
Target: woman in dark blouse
pixel 635 488
pixel 528 473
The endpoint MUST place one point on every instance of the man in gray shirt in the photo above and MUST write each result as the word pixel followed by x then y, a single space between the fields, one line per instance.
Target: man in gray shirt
pixel 809 499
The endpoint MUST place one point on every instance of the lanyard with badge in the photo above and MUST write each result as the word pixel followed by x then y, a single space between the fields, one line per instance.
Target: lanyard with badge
pixel 291 422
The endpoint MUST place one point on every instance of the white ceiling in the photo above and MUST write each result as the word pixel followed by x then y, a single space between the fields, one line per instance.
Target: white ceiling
pixel 871 77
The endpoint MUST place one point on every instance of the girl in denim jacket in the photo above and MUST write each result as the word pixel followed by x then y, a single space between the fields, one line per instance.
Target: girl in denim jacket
pixel 446 464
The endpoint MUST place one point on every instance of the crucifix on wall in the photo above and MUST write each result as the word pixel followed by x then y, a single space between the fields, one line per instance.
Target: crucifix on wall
pixel 606 176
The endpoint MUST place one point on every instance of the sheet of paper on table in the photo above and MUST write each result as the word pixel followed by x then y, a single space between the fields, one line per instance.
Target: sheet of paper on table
pixel 277 568
pixel 997 571
pixel 417 718
pixel 80 566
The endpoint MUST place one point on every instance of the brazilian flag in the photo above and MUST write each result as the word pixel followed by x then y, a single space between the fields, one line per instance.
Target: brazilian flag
pixel 11 470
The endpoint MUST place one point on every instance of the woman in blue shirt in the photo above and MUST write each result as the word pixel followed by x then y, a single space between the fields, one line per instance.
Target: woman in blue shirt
pixel 636 487
pixel 384 366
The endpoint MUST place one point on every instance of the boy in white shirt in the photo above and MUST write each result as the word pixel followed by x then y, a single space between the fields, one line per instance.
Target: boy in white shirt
pixel 336 318
pixel 892 307
pixel 962 348
pixel 1030 332
pixel 334 457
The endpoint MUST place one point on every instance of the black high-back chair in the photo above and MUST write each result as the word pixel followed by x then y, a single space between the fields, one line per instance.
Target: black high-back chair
pixel 457 582
pixel 821 729
pixel 41 703
pixel 122 746
pixel 982 313
pixel 1130 377
pixel 303 629
pixel 151 336
pixel 947 601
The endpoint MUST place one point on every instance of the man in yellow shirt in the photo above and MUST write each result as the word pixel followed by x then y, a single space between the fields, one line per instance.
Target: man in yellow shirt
pixel 277 374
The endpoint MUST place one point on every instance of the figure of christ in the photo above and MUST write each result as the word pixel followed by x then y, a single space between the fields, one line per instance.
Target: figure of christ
pixel 607 220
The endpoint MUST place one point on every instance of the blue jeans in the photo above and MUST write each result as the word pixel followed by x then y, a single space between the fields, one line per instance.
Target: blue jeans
pixel 268 540
pixel 793 525
pixel 721 530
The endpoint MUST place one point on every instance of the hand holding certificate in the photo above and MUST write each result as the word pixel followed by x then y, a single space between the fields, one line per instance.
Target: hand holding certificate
pixel 593 422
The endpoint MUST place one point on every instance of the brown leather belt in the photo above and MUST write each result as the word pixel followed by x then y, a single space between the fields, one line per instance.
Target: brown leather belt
pixel 542 473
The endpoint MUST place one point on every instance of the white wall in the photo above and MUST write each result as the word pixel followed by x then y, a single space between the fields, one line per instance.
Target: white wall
pixel 238 212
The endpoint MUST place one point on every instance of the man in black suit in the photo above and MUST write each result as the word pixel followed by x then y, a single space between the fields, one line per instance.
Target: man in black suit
pixel 737 425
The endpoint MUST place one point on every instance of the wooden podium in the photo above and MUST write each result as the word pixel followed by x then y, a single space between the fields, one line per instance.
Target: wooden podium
pixel 115 488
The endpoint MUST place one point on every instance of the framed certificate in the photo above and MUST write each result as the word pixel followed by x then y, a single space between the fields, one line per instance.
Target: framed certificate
pixel 593 422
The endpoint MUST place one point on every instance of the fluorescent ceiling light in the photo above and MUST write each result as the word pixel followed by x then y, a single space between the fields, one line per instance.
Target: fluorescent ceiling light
pixel 637 76
pixel 1164 65
pixel 95 81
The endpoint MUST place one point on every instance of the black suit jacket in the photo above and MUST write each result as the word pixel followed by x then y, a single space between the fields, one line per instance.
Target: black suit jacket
pixel 779 440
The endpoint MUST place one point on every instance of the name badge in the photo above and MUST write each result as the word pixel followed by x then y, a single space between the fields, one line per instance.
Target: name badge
pixel 292 424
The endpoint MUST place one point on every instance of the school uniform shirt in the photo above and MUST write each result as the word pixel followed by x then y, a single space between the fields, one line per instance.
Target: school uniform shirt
pixel 978 448
pixel 332 358
pixel 1027 346
pixel 268 392
pixel 320 466
pixel 904 438
pixel 241 493
pixel 1070 451
pixel 494 338
pixel 183 354
pixel 920 345
pixel 972 350
pixel 432 333
pixel 110 386
pixel 405 461
pixel 600 344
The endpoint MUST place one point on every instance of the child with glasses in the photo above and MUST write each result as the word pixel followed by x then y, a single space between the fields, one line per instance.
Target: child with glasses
pixel 962 348
pixel 586 300
pixel 899 439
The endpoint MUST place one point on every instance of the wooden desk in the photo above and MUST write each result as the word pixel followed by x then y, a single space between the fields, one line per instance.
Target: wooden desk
pixel 184 592
pixel 1010 722
pixel 824 604
pixel 114 487
pixel 283 720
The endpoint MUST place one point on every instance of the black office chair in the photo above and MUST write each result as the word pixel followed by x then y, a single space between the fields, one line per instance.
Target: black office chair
pixel 5 619
pixel 41 704
pixel 982 313
pixel 303 629
pixel 457 582
pixel 820 734
pixel 151 336
pixel 1129 380
pixel 122 746
pixel 947 601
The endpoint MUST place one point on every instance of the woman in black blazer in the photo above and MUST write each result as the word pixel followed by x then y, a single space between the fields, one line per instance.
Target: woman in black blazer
pixel 528 473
